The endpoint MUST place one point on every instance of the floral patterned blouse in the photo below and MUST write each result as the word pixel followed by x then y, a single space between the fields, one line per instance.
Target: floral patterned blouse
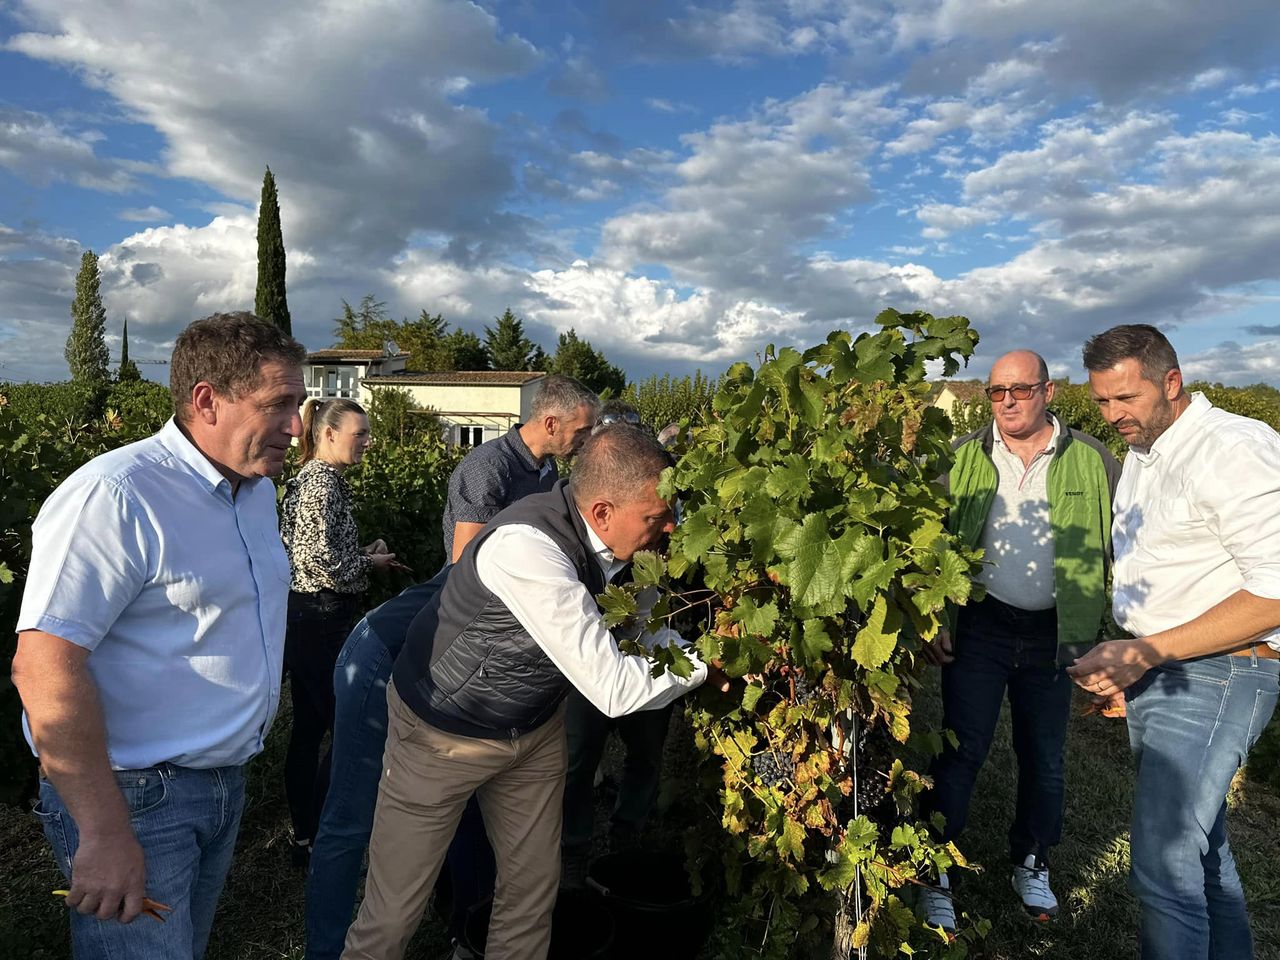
pixel 318 528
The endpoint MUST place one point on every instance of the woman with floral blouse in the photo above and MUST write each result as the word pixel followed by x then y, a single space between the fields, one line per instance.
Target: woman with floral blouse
pixel 330 571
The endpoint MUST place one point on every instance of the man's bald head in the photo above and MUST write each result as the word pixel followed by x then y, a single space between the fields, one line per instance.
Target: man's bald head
pixel 618 464
pixel 1021 366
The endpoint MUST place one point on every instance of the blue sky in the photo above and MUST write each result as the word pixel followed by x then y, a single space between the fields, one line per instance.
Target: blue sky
pixel 681 183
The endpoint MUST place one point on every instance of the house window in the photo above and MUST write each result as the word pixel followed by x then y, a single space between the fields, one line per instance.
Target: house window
pixel 470 436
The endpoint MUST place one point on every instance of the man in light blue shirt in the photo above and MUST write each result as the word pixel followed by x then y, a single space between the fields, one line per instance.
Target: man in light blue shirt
pixel 150 643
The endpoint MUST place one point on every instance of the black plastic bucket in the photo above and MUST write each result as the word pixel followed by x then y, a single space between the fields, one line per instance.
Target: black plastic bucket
pixel 654 911
pixel 580 928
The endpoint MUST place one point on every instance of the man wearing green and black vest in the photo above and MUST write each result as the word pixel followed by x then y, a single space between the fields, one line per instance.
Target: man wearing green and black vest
pixel 475 700
pixel 1036 496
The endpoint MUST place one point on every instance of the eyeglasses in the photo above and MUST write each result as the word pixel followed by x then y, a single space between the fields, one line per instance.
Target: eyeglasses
pixel 1020 391
pixel 627 416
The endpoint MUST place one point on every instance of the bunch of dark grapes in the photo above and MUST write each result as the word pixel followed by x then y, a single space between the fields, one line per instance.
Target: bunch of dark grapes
pixel 772 768
pixel 805 691
pixel 875 756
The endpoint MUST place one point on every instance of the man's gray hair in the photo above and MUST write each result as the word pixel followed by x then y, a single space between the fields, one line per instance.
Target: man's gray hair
pixel 1132 341
pixel 618 465
pixel 558 396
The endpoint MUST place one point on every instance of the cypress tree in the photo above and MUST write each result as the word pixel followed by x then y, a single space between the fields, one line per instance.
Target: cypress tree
pixel 86 350
pixel 128 369
pixel 271 303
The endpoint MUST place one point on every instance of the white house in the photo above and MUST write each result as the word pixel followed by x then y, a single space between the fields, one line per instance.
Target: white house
pixel 475 405
pixel 337 373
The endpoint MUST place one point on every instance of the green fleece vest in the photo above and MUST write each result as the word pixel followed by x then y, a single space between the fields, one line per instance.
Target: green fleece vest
pixel 1080 483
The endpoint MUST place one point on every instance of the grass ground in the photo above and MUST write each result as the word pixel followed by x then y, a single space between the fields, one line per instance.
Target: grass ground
pixel 260 916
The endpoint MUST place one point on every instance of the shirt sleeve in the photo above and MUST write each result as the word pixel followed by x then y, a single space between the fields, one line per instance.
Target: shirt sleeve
pixel 323 542
pixel 479 493
pixel 1239 497
pixel 89 560
pixel 530 574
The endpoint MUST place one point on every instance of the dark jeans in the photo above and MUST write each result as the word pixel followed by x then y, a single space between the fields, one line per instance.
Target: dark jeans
pixel 1001 648
pixel 317 628
pixel 586 729
pixel 360 680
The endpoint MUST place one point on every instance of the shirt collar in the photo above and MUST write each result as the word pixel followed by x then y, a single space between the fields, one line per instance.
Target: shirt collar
pixel 1172 435
pixel 1049 447
pixel 177 443
pixel 522 449
pixel 604 556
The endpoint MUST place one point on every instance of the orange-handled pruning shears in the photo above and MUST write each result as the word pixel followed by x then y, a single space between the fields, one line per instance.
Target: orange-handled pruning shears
pixel 150 907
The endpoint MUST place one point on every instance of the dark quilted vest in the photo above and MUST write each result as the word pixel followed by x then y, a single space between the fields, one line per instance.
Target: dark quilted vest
pixel 468 667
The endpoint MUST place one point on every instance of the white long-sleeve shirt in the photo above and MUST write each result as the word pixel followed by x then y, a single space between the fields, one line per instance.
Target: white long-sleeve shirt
pixel 528 572
pixel 1197 518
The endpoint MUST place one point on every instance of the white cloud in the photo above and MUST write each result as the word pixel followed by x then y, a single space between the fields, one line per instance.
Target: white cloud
pixel 750 189
pixel 1111 48
pixel 41 151
pixel 152 214
pixel 1235 364
pixel 348 110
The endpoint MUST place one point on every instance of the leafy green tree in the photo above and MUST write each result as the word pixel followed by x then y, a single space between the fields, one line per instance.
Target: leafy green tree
pixel 366 327
pixel 395 417
pixel 508 347
pixel 271 302
pixel 577 358
pixel 464 351
pixel 431 345
pixel 128 370
pixel 86 349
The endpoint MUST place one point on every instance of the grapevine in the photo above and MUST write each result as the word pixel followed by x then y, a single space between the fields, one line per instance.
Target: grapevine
pixel 813 546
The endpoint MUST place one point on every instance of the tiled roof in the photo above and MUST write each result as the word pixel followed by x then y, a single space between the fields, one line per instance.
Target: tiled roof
pixel 960 389
pixel 456 378
pixel 323 356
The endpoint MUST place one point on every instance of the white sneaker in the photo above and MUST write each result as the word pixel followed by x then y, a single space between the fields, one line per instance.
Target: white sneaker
pixel 936 905
pixel 1032 885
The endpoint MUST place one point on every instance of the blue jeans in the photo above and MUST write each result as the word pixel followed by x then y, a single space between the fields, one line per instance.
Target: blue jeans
pixel 1001 648
pixel 359 737
pixel 1191 725
pixel 186 821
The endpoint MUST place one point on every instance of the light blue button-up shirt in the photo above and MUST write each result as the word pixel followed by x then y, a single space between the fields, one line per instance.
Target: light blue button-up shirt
pixel 179 589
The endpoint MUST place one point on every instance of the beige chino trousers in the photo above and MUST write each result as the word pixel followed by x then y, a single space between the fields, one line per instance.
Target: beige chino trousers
pixel 427 777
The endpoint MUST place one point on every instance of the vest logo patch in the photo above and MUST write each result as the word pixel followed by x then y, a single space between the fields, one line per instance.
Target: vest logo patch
pixel 1073 493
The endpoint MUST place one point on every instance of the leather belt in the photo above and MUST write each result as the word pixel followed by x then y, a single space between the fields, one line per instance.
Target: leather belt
pixel 1263 651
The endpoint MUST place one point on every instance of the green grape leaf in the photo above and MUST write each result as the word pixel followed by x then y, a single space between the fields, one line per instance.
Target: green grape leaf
pixel 814 643
pixel 789 479
pixel 696 534
pixel 791 840
pixel 617 605
pixel 950 581
pixel 756 620
pixel 647 568
pixel 875 642
pixel 813 568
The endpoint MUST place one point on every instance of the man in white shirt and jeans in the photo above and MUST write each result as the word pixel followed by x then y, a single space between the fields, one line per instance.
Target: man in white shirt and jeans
pixel 475 704
pixel 1196 535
